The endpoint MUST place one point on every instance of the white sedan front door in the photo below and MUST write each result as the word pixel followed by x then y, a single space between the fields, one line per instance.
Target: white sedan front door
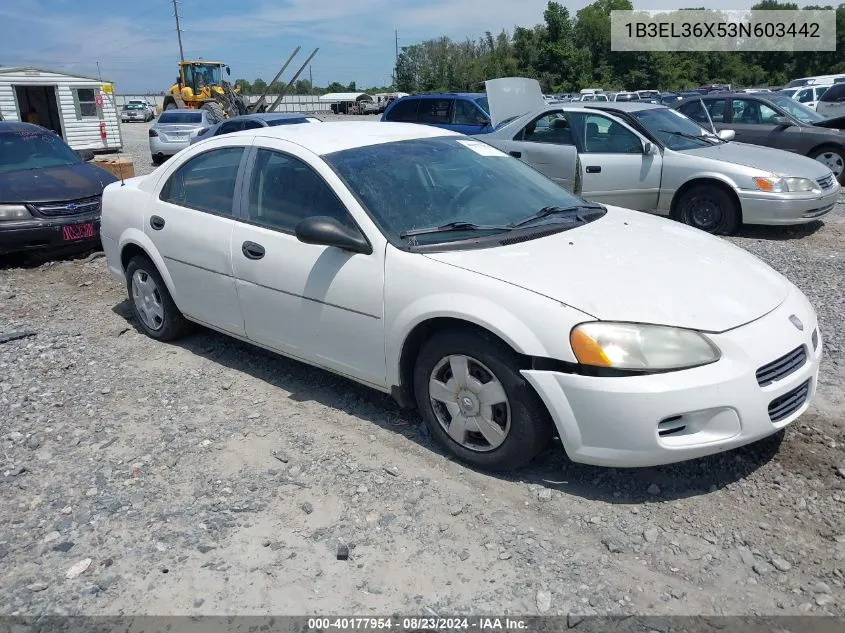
pixel 321 304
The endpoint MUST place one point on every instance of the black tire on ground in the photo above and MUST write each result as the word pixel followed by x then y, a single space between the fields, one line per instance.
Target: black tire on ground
pixel 170 106
pixel 709 208
pixel 173 324
pixel 531 427
pixel 158 159
pixel 834 154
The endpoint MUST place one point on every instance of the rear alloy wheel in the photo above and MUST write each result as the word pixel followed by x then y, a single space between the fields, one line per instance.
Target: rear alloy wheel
pixel 834 159
pixel 152 304
pixel 709 208
pixel 476 403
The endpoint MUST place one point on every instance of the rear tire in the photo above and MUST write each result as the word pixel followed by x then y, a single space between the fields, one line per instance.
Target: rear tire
pixel 833 158
pixel 152 305
pixel 709 208
pixel 498 418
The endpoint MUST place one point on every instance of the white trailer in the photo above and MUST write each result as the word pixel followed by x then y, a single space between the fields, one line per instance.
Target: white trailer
pixel 80 109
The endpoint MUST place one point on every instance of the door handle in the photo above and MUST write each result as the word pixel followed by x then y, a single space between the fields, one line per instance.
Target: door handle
pixel 593 169
pixel 157 222
pixel 251 250
pixel 516 154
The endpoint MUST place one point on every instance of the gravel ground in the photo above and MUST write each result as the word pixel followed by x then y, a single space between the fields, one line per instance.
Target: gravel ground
pixel 210 477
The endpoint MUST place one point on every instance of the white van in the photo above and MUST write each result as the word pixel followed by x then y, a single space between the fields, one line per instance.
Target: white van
pixel 818 79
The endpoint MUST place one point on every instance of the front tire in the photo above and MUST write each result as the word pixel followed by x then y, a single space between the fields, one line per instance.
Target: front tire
pixel 476 403
pixel 152 305
pixel 834 159
pixel 709 208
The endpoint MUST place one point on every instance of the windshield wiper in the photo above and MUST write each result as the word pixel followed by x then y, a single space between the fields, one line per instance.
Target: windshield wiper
pixel 695 137
pixel 574 212
pixel 455 226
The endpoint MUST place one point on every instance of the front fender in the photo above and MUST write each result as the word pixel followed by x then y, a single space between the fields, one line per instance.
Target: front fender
pixel 491 316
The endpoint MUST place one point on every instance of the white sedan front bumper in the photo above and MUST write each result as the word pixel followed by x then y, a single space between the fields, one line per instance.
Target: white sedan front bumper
pixel 675 416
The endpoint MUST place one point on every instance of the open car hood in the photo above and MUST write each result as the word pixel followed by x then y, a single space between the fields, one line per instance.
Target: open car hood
pixel 513 96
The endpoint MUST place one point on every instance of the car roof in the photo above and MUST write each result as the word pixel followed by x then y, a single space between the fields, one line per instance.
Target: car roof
pixel 18 126
pixel 336 136
pixel 182 110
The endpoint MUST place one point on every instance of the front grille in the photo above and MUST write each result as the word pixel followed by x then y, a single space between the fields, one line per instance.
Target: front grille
pixel 782 367
pixel 783 406
pixel 826 182
pixel 84 206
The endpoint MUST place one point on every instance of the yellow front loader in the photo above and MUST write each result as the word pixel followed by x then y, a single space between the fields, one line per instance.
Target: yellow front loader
pixel 200 85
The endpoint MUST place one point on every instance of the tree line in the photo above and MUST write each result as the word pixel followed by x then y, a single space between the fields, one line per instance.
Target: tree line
pixel 566 53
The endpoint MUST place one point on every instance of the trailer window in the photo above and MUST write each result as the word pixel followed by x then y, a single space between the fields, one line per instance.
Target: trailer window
pixel 84 102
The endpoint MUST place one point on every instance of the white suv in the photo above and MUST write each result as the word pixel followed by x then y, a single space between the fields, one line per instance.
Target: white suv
pixel 832 103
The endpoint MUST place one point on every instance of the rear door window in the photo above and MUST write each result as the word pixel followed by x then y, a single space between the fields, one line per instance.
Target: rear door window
pixel 206 182
pixel 404 111
pixel 435 111
pixel 467 113
pixel 552 127
pixel 835 93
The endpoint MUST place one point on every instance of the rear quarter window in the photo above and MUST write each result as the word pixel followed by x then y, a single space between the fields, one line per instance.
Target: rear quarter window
pixel 834 93
pixel 404 111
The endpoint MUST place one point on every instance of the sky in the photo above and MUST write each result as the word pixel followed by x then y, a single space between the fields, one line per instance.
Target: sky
pixel 135 41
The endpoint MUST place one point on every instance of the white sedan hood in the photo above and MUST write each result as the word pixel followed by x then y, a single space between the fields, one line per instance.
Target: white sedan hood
pixel 629 266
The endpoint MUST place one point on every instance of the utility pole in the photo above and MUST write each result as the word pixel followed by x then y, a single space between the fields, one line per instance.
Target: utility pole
pixel 396 60
pixel 99 74
pixel 178 31
pixel 310 77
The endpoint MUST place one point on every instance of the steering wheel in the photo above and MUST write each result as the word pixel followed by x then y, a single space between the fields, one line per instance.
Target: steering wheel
pixel 457 200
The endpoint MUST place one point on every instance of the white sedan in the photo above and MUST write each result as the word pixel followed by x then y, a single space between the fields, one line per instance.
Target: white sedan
pixel 431 266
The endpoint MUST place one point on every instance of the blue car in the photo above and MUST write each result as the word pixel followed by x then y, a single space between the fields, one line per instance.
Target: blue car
pixel 464 112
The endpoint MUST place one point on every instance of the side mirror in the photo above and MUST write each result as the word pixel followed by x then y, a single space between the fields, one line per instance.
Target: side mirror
pixel 726 135
pixel 326 231
pixel 484 122
pixel 85 154
pixel 228 71
pixel 649 148
pixel 782 121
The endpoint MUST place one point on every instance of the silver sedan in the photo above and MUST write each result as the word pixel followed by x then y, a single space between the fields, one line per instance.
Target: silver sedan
pixel 174 130
pixel 652 158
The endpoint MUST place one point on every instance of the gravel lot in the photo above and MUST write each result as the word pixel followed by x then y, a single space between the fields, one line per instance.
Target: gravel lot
pixel 210 477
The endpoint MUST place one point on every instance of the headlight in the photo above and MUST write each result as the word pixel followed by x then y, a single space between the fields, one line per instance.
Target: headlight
pixel 14 212
pixel 782 185
pixel 630 346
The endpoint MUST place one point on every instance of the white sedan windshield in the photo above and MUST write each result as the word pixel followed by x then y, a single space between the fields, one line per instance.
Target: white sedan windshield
pixel 430 182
